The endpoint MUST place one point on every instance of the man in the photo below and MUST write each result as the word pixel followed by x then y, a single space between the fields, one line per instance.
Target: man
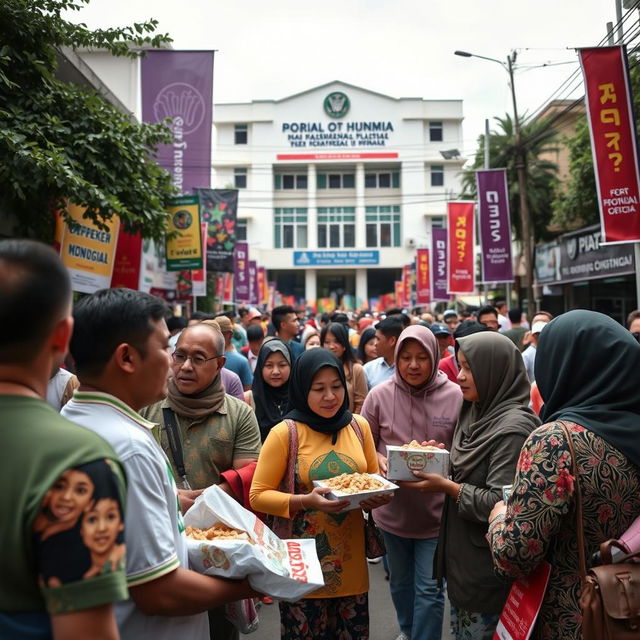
pixel 387 333
pixel 633 324
pixel 255 336
pixel 52 468
pixel 239 337
pixel 500 305
pixel 529 354
pixel 450 318
pixel 120 348
pixel 517 332
pixel 176 324
pixel 233 360
pixel 285 323
pixel 215 432
pixel 444 338
pixel 488 316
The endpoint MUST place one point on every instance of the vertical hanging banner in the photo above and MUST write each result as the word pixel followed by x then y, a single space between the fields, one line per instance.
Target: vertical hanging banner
pixel 184 249
pixel 439 264
pixel 227 288
pixel 613 141
pixel 406 285
pixel 254 296
pixel 460 254
pixel 495 225
pixel 263 286
pixel 423 277
pixel 88 252
pixel 219 207
pixel 199 276
pixel 179 85
pixel 128 261
pixel 241 272
pixel 399 293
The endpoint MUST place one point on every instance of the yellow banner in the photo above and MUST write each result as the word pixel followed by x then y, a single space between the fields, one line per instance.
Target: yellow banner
pixel 184 250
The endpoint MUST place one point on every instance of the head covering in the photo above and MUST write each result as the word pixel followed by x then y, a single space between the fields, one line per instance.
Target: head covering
pixel 588 371
pixel 225 325
pixel 271 402
pixel 363 323
pixel 440 329
pixel 367 335
pixel 428 341
pixel 304 371
pixel 503 388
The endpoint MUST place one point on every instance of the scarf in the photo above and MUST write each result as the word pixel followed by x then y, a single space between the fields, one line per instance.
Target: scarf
pixel 503 388
pixel 588 371
pixel 304 371
pixel 199 405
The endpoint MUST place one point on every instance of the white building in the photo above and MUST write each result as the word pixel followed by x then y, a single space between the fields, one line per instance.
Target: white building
pixel 338 184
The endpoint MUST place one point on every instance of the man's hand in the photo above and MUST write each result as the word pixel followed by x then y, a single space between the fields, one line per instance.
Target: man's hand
pixel 499 508
pixel 316 500
pixel 382 464
pixel 376 501
pixel 428 483
pixel 187 497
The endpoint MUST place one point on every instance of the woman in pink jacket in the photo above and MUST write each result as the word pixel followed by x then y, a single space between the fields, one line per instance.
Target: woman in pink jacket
pixel 418 403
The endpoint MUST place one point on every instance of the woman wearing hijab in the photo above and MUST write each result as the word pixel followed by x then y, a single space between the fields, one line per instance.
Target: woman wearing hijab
pixel 588 373
pixel 418 403
pixel 271 384
pixel 494 422
pixel 367 346
pixel 329 444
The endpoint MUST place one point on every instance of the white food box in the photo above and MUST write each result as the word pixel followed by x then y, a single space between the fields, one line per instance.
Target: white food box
pixel 402 462
pixel 356 498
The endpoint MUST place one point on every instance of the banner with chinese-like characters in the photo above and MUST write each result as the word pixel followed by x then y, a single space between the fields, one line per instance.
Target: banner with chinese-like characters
pixel 184 246
pixel 613 141
pixel 423 277
pixel 460 253
pixel 495 225
pixel 439 264
pixel 241 272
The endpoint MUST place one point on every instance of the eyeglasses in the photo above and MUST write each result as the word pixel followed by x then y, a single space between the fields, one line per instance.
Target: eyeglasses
pixel 196 361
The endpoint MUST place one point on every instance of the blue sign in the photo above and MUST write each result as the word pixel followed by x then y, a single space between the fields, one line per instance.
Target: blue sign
pixel 335 258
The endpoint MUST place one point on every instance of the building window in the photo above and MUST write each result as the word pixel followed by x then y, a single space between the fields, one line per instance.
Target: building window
pixel 241 230
pixel 290 181
pixel 336 227
pixel 382 180
pixel 437 223
pixel 290 228
pixel 437 175
pixel 336 180
pixel 435 131
pixel 382 226
pixel 240 178
pixel 241 135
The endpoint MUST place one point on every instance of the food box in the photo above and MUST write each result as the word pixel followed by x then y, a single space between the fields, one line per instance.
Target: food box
pixel 403 461
pixel 356 498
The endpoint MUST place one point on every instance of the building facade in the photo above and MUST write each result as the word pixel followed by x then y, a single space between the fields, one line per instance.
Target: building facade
pixel 338 185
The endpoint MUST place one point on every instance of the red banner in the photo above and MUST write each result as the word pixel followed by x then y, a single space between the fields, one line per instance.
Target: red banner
pixel 126 267
pixel 399 291
pixel 227 288
pixel 406 285
pixel 613 141
pixel 423 277
pixel 460 248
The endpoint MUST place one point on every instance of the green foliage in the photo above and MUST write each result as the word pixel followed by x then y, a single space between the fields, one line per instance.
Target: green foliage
pixel 62 141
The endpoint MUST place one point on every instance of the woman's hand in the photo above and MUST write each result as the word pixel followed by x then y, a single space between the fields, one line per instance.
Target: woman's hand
pixel 187 497
pixel 433 443
pixel 316 500
pixel 430 483
pixel 376 501
pixel 382 464
pixel 499 508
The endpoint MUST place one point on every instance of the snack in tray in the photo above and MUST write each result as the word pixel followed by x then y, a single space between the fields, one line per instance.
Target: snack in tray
pixel 414 444
pixel 218 531
pixel 354 483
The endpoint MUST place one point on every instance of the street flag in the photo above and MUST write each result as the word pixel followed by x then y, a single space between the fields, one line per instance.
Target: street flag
pixel 439 264
pixel 423 277
pixel 460 255
pixel 184 248
pixel 241 272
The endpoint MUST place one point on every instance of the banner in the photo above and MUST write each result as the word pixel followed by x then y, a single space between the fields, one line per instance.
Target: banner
pixel 613 141
pixel 263 286
pixel 218 208
pixel 495 225
pixel 227 288
pixel 460 254
pixel 439 264
pixel 254 297
pixel 88 252
pixel 406 285
pixel 399 293
pixel 199 276
pixel 184 249
pixel 179 85
pixel 128 261
pixel 153 270
pixel 241 272
pixel 423 277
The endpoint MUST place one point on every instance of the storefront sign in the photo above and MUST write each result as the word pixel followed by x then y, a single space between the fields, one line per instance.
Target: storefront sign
pixel 184 248
pixel 241 272
pixel 335 258
pixel 423 277
pixel 338 156
pixel 439 264
pixel 460 254
pixel 495 225
pixel 613 141
pixel 337 133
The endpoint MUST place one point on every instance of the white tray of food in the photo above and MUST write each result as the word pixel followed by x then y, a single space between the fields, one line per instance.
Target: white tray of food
pixel 356 487
pixel 403 460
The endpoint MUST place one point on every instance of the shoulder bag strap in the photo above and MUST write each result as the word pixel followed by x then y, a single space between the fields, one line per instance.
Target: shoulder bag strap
pixel 355 425
pixel 175 444
pixel 578 497
pixel 289 483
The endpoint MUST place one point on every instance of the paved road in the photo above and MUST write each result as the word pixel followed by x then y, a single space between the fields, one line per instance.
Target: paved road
pixel 383 623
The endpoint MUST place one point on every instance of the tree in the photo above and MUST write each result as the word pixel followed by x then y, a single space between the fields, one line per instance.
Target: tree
pixel 61 141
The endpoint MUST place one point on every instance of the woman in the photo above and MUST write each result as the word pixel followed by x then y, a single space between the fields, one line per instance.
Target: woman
pixel 417 403
pixel 367 346
pixel 588 373
pixel 328 445
pixel 494 422
pixel 310 338
pixel 335 338
pixel 271 384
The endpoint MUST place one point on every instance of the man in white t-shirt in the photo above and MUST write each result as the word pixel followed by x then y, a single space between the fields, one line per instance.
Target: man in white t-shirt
pixel 120 347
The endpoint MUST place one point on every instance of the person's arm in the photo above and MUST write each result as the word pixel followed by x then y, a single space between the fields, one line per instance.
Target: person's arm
pixel 360 387
pixel 245 375
pixel 246 443
pixel 370 414
pixel 71 626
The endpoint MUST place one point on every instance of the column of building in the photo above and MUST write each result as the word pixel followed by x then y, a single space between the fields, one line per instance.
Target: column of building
pixel 361 273
pixel 310 283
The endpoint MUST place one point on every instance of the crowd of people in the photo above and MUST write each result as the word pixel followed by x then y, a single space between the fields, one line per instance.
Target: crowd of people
pixel 117 416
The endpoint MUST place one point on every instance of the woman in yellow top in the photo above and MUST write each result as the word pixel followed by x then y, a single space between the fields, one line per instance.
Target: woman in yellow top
pixel 328 445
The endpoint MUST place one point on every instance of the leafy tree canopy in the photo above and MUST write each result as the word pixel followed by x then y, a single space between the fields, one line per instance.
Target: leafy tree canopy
pixel 63 141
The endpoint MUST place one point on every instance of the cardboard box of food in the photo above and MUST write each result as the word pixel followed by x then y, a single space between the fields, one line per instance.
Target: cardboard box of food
pixel 402 462
pixel 356 498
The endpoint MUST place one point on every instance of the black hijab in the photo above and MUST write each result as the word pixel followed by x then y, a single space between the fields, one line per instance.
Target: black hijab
pixel 271 402
pixel 588 371
pixel 304 370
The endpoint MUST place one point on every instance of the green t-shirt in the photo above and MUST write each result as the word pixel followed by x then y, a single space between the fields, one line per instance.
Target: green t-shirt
pixel 60 481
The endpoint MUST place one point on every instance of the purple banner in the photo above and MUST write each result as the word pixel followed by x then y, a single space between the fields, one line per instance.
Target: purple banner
pixel 439 264
pixel 254 297
pixel 179 85
pixel 241 272
pixel 495 225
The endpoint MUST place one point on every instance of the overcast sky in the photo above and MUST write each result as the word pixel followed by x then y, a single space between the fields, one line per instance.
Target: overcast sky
pixel 274 48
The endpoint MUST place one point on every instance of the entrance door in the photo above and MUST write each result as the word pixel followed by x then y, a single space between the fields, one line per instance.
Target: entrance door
pixel 336 286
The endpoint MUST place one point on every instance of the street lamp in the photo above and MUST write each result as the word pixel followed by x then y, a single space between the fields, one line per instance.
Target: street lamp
pixel 525 220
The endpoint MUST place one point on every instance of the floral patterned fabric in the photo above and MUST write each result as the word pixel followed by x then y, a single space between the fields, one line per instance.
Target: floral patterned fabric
pixel 540 520
pixel 470 625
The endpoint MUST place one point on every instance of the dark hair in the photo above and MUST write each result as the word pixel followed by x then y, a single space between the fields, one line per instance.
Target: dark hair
pixel 366 336
pixel 498 302
pixel 325 318
pixel 340 317
pixel 242 311
pixel 279 315
pixel 201 315
pixel 402 317
pixel 486 309
pixel 632 316
pixel 108 318
pixel 176 322
pixel 255 332
pixel 341 334
pixel 390 327
pixel 467 328
pixel 35 292
pixel 515 315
